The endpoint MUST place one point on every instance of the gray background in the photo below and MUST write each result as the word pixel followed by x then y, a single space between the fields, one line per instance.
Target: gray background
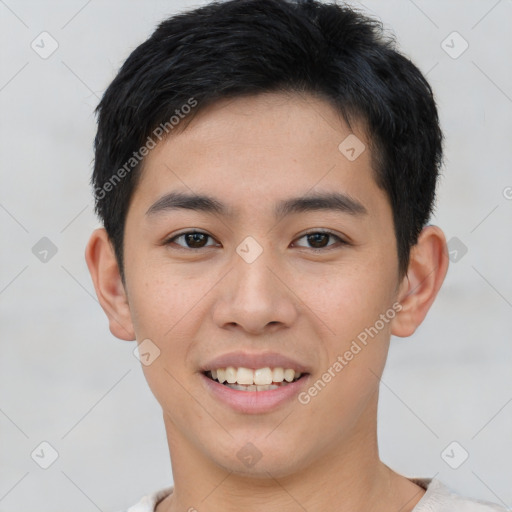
pixel 66 380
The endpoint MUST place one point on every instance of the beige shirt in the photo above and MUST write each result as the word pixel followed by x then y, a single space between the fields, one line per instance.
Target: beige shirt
pixel 438 498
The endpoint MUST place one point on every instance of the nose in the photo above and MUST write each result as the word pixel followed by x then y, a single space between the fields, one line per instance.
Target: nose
pixel 255 297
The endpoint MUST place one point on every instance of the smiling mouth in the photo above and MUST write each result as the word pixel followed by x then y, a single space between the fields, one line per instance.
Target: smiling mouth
pixel 247 379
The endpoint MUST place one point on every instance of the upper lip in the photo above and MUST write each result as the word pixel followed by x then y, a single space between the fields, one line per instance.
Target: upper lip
pixel 254 361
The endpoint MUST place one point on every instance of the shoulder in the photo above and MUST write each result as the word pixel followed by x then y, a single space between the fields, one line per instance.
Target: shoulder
pixel 149 502
pixel 440 498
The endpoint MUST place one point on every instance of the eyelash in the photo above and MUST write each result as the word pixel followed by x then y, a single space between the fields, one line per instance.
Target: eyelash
pixel 314 249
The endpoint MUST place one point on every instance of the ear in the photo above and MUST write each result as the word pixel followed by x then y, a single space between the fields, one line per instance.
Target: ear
pixel 428 264
pixel 104 270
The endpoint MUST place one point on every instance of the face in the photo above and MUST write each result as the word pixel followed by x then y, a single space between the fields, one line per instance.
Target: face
pixel 288 261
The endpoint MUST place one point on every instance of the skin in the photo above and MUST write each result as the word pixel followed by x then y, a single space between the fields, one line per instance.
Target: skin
pixel 195 304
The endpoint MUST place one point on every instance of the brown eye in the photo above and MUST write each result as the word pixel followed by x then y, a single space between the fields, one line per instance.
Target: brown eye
pixel 318 240
pixel 191 239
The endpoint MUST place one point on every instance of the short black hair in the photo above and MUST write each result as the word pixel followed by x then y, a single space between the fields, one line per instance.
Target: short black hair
pixel 238 48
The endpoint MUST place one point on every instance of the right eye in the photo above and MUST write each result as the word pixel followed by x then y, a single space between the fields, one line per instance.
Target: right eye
pixel 191 239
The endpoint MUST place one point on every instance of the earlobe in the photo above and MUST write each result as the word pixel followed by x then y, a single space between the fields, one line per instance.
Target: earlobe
pixel 428 265
pixel 104 270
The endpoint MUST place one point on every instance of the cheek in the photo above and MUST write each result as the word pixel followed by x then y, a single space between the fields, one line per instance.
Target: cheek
pixel 354 357
pixel 159 298
pixel 352 306
pixel 350 300
pixel 164 310
pixel 169 308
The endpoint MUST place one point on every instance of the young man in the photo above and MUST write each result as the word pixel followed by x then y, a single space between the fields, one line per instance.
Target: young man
pixel 265 171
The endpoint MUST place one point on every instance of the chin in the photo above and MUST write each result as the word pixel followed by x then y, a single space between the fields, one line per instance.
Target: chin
pixel 258 460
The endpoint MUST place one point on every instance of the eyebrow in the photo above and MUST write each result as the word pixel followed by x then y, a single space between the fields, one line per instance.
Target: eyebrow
pixel 333 201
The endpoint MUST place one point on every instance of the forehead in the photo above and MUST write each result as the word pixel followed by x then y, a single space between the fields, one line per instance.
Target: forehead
pixel 256 150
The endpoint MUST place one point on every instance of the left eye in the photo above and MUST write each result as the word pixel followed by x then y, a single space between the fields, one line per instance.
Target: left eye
pixel 319 239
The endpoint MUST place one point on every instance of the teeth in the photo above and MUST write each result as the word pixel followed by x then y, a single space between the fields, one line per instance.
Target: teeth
pixel 221 375
pixel 245 376
pixel 263 376
pixel 260 379
pixel 231 375
pixel 278 375
pixel 289 375
pixel 252 388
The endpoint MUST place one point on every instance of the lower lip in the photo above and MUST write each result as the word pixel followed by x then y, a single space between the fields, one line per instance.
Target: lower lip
pixel 254 402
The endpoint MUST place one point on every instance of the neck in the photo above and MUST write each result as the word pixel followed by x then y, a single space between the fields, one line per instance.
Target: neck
pixel 348 477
